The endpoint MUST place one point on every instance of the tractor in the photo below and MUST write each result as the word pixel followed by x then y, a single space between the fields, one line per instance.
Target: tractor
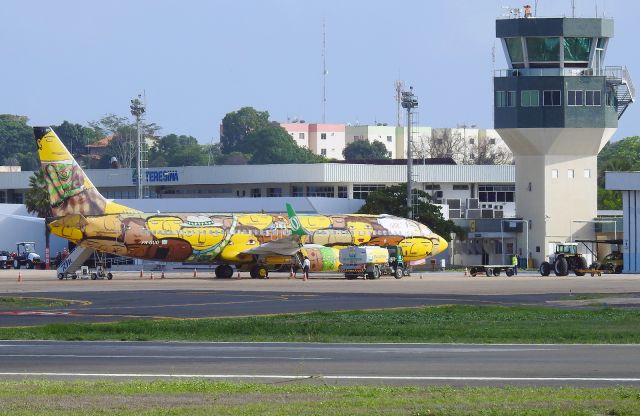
pixel 26 255
pixel 565 259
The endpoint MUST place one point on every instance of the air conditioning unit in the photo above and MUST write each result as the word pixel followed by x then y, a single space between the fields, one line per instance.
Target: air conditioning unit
pixel 498 214
pixel 487 213
pixel 472 203
pixel 454 203
pixel 454 213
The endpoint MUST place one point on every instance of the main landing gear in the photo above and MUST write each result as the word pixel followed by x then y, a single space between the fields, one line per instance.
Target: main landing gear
pixel 224 271
pixel 259 272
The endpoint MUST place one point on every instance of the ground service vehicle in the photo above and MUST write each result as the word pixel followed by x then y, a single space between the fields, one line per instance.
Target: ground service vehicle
pixel 26 255
pixel 5 259
pixel 612 262
pixel 565 259
pixel 247 241
pixel 372 261
pixel 491 269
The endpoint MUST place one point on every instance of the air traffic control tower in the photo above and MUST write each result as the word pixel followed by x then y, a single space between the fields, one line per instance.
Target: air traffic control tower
pixel 556 106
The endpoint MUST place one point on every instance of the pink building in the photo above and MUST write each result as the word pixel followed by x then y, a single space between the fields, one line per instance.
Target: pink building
pixel 322 139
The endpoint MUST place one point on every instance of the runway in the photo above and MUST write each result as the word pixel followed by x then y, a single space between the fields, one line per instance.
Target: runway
pixel 415 364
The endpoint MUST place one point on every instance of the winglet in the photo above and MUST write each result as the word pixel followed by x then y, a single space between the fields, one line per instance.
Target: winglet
pixel 294 221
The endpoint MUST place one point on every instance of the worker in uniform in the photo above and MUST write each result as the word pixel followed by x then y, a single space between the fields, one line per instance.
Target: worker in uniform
pixel 514 263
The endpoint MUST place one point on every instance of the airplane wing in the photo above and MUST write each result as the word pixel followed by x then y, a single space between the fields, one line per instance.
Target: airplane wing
pixel 283 247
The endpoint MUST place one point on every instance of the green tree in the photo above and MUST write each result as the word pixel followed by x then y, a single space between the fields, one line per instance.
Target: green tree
pixel 75 137
pixel 174 150
pixel 393 200
pixel 272 144
pixel 125 138
pixel 365 150
pixel 233 158
pixel 36 200
pixel 239 124
pixel 620 156
pixel 18 144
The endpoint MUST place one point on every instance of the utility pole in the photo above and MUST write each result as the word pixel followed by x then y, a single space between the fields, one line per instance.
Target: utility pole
pixel 137 110
pixel 409 101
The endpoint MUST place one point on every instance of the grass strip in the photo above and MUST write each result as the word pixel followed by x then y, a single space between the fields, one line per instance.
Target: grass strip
pixel 454 323
pixel 19 302
pixel 204 397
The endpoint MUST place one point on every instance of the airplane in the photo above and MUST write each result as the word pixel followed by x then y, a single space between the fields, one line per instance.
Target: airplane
pixel 253 242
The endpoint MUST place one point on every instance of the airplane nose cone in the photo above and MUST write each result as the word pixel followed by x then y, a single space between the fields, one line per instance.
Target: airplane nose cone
pixel 442 245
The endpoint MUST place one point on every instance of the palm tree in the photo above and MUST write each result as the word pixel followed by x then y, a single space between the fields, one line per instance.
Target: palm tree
pixel 36 199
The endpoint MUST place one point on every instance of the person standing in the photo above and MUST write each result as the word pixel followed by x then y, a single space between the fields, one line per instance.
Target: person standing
pixel 306 265
pixel 514 263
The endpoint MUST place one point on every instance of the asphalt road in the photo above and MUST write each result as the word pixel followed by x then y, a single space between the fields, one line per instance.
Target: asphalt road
pixel 415 364
pixel 105 306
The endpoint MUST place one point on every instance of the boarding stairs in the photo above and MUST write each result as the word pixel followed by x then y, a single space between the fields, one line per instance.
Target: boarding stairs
pixel 619 79
pixel 74 261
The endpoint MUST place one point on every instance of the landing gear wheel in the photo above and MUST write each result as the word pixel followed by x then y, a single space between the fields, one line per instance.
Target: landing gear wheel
pixel 561 267
pixel 259 272
pixel 496 271
pixel 398 273
pixel 545 268
pixel 224 271
pixel 581 264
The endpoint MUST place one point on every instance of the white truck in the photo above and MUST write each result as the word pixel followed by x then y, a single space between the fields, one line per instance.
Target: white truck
pixel 371 261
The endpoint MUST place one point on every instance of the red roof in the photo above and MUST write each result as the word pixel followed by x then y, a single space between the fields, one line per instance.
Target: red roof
pixel 104 142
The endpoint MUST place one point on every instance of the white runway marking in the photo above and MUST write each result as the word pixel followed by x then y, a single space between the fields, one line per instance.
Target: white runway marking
pixel 181 357
pixel 326 377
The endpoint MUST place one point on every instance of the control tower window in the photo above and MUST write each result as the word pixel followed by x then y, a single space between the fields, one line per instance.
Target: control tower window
pixel 514 46
pixel 577 49
pixel 593 98
pixel 551 98
pixel 543 49
pixel 529 98
pixel 575 98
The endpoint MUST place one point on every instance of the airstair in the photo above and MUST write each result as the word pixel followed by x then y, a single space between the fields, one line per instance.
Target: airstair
pixel 73 262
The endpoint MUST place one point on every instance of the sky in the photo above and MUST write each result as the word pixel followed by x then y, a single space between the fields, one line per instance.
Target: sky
pixel 197 60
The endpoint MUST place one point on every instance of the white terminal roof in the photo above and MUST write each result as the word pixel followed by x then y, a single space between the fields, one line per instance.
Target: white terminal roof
pixel 293 173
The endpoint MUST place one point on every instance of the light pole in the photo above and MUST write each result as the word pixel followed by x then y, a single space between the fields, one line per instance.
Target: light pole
pixel 409 101
pixel 137 110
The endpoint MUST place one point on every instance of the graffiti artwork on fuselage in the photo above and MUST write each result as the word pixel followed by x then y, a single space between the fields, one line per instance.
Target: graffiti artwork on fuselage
pixel 209 238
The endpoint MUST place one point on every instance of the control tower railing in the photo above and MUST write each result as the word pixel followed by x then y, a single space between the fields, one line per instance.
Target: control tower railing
pixel 619 79
pixel 614 72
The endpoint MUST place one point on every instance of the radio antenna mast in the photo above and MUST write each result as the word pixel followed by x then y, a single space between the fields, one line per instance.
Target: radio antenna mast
pixel 324 73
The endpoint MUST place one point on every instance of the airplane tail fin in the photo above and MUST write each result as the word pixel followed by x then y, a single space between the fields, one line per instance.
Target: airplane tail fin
pixel 70 190
pixel 296 225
